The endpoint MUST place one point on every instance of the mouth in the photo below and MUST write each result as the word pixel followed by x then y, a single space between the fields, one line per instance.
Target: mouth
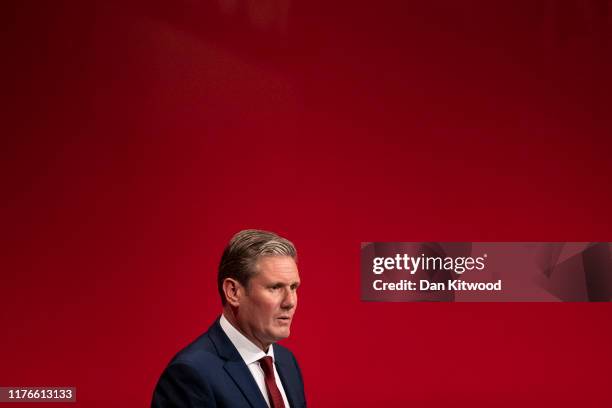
pixel 285 319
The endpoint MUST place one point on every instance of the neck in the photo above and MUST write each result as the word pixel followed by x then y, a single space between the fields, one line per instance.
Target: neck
pixel 232 317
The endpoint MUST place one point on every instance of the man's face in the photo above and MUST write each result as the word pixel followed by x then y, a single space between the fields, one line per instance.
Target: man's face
pixel 268 303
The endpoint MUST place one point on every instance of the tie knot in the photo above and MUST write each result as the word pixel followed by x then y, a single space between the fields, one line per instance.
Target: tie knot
pixel 266 365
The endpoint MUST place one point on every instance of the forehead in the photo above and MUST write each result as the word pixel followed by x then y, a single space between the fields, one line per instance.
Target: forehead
pixel 277 268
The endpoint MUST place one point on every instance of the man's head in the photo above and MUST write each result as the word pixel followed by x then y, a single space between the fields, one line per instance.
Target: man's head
pixel 258 280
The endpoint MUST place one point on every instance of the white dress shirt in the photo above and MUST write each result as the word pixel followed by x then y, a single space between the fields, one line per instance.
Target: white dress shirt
pixel 250 353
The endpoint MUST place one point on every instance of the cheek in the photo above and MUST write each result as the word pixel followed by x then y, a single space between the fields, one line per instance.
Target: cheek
pixel 270 307
pixel 266 308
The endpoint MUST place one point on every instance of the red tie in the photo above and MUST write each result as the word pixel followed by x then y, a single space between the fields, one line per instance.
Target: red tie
pixel 276 399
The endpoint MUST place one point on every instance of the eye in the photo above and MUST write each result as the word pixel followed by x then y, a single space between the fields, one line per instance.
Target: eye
pixel 295 286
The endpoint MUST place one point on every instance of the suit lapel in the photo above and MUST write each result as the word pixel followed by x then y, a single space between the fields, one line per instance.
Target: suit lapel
pixel 286 374
pixel 244 380
pixel 235 366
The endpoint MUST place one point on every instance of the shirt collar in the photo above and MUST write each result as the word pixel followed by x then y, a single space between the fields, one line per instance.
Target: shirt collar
pixel 249 352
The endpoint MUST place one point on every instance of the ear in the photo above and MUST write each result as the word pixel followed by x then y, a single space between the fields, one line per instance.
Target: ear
pixel 233 291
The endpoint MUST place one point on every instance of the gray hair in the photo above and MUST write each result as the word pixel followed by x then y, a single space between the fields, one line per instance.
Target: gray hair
pixel 243 251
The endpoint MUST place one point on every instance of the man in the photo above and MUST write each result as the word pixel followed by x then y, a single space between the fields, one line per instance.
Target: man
pixel 236 363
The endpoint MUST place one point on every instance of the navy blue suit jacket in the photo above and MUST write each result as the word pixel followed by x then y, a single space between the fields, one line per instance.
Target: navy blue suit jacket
pixel 211 373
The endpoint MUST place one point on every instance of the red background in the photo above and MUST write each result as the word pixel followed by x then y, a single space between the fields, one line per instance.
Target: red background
pixel 139 137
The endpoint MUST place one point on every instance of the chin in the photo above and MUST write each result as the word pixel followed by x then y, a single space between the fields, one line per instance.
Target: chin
pixel 282 335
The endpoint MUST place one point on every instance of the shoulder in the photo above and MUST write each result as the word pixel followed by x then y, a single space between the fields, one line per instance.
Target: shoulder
pixel 286 357
pixel 186 381
pixel 282 352
pixel 291 373
pixel 200 355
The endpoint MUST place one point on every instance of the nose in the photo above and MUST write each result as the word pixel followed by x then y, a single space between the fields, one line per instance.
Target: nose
pixel 289 299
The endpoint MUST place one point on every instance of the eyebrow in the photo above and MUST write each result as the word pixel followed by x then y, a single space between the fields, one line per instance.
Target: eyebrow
pixel 297 283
